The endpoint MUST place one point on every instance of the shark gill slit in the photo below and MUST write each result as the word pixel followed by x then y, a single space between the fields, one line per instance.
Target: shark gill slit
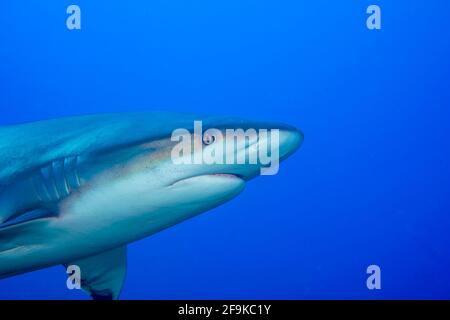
pixel 56 180
pixel 40 188
pixel 58 171
pixel 70 173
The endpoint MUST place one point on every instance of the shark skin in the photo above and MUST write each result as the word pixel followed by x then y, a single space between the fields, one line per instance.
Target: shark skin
pixel 78 190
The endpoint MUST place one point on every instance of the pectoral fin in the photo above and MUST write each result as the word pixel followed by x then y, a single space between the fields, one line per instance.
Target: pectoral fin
pixel 103 275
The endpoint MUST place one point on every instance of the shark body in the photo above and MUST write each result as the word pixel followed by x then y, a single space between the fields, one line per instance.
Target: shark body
pixel 76 191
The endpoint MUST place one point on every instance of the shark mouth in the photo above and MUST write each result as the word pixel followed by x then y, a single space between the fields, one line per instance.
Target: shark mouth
pixel 218 175
pixel 229 175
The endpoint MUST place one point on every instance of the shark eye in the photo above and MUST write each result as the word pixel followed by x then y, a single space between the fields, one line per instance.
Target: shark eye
pixel 208 138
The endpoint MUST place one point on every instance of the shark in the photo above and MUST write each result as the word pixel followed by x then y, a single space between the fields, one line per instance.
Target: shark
pixel 77 190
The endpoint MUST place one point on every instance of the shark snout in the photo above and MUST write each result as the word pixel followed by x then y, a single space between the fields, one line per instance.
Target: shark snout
pixel 265 151
pixel 289 141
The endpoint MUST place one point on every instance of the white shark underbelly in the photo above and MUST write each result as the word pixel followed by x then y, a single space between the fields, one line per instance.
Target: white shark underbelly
pixel 98 218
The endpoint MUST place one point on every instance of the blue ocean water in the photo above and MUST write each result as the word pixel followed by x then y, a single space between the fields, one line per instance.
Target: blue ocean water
pixel 370 184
